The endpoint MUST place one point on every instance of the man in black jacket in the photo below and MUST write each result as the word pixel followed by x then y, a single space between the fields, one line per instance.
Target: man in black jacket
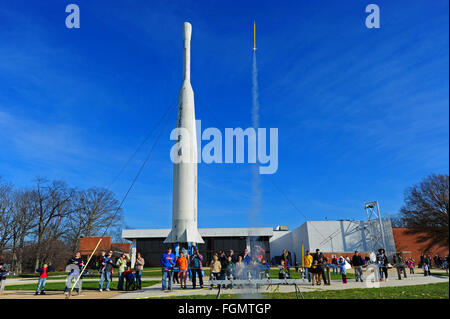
pixel 318 256
pixel 321 260
pixel 77 260
pixel 357 263
pixel 233 256
pixel 223 261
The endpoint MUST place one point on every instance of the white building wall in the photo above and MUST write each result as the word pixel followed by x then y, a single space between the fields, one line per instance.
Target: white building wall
pixel 341 236
pixel 336 236
pixel 279 241
pixel 344 236
pixel 291 241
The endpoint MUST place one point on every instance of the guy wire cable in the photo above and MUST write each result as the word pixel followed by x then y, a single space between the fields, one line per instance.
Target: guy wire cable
pixel 125 196
pixel 270 180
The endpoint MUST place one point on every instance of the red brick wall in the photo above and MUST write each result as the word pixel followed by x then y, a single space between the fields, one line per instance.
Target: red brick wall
pixel 123 247
pixel 406 242
pixel 87 245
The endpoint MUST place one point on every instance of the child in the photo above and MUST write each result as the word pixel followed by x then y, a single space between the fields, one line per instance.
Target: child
pixel 265 268
pixel 316 272
pixel 229 270
pixel 215 268
pixel 43 275
pixel 426 269
pixel 254 268
pixel 342 269
pixel 3 274
pixel 182 274
pixel 283 272
pixel 131 281
pixel 130 277
pixel 239 268
pixel 411 266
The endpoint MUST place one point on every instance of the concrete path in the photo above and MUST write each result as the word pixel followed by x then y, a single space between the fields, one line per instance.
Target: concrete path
pixel 85 294
pixel 27 281
pixel 156 292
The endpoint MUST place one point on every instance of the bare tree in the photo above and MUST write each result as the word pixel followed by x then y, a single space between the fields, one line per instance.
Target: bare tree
pixel 6 215
pixel 426 210
pixel 46 222
pixel 51 203
pixel 95 211
pixel 397 221
pixel 24 222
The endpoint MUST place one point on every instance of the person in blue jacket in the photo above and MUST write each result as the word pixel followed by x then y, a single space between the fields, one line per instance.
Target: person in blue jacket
pixel 246 257
pixel 168 260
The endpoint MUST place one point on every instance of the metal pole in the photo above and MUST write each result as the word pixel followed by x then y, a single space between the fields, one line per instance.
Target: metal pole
pixel 381 226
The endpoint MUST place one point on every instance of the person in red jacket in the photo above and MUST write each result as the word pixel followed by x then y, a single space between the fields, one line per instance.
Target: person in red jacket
pixel 43 275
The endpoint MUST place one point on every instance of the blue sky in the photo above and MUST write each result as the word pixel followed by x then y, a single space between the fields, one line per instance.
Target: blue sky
pixel 362 113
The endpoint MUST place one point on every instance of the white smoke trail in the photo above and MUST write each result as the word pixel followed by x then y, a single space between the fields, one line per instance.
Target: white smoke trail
pixel 256 182
pixel 255 109
pixel 249 292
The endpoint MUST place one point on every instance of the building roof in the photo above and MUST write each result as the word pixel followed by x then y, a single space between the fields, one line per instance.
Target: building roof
pixel 204 232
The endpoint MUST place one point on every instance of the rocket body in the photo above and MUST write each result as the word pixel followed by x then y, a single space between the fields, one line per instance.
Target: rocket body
pixel 254 36
pixel 184 210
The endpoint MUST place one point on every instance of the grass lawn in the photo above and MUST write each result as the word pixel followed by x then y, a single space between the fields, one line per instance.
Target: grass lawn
pixel 296 275
pixel 429 291
pixel 156 272
pixel 87 285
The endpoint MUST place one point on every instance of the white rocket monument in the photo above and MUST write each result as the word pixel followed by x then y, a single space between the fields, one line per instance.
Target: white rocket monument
pixel 184 210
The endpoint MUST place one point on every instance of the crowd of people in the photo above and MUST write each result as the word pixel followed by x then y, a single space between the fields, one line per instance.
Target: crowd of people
pixel 129 278
pixel 105 265
pixel 437 262
pixel 222 266
pixel 231 266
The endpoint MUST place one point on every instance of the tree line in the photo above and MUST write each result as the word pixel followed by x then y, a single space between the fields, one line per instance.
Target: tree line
pixel 425 211
pixel 44 223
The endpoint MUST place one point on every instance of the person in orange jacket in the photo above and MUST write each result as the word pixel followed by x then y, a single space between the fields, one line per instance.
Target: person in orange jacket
pixel 182 274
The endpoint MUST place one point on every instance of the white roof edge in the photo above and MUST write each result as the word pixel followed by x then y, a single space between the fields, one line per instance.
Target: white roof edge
pixel 206 232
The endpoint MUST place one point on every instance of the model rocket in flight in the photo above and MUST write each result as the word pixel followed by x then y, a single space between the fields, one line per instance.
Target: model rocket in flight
pixel 184 210
pixel 254 36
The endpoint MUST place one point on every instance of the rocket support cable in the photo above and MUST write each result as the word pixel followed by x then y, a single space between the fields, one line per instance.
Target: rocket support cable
pixel 141 144
pixel 270 180
pixel 129 189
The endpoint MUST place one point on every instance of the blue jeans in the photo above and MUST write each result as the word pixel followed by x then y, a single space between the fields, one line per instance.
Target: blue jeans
pixel 120 283
pixel 335 269
pixel 358 273
pixel 166 275
pixel 139 278
pixel 41 284
pixel 307 274
pixel 103 276
pixel 69 282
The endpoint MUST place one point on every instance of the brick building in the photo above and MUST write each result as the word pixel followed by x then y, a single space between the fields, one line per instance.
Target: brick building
pixel 411 247
pixel 87 245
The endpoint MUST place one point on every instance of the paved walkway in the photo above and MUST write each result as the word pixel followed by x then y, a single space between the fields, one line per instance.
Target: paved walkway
pixel 27 281
pixel 156 292
pixel 85 294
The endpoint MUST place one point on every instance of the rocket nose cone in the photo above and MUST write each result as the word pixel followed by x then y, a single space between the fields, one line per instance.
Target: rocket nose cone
pixel 187 31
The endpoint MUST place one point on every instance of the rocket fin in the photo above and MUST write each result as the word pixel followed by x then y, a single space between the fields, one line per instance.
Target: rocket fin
pixel 190 235
pixel 168 239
